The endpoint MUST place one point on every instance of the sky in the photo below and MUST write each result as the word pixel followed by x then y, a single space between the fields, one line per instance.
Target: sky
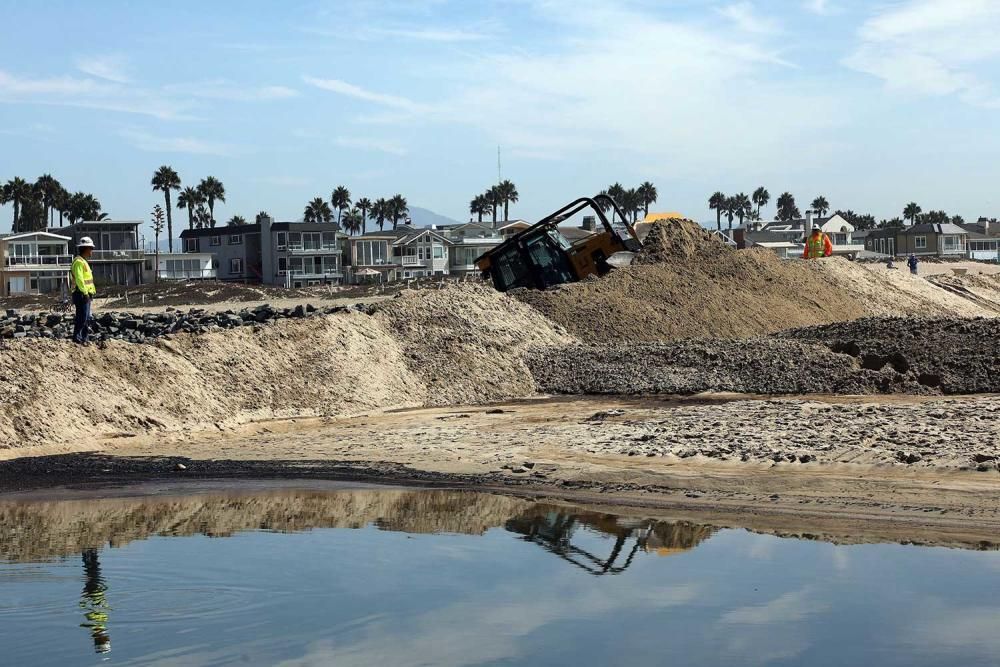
pixel 871 104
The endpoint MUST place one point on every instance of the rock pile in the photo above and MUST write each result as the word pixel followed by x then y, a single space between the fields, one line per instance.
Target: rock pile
pixel 147 327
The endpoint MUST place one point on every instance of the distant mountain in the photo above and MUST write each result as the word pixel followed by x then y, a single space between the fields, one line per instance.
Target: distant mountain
pixel 424 218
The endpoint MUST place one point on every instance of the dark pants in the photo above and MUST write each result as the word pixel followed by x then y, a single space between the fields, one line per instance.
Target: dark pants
pixel 82 318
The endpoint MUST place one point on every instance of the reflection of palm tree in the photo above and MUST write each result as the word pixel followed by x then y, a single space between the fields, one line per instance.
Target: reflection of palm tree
pixel 94 601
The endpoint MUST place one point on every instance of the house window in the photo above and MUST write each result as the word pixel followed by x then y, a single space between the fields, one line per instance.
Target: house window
pixel 371 252
pixel 236 265
pixel 235 239
pixel 920 242
pixel 216 240
pixel 438 252
pixel 282 264
pixel 149 265
pixel 190 245
pixel 953 243
pixel 282 240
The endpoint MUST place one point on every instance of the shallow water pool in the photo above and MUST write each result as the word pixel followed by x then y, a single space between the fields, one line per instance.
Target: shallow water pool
pixel 400 577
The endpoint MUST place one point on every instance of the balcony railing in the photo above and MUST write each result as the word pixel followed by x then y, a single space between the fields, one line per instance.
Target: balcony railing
pixel 299 249
pixel 116 255
pixel 300 273
pixel 39 260
pixel 180 274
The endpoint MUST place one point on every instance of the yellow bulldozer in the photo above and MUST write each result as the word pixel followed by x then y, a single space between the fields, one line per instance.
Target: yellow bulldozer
pixel 540 256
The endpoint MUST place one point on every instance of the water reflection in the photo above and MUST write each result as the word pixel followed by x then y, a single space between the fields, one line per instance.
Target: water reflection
pixel 95 602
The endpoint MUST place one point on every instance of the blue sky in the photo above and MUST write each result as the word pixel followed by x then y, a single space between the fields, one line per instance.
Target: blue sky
pixel 872 104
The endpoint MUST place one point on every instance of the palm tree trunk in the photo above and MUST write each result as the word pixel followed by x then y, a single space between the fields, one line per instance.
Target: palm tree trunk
pixel 170 222
pixel 480 216
pixel 190 217
pixel 506 214
pixel 718 220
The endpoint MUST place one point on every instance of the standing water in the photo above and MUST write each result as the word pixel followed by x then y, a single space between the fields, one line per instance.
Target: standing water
pixel 400 577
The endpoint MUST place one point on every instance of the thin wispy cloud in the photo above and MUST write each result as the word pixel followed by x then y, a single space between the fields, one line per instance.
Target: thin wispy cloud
pixel 359 93
pixel 221 89
pixel 745 16
pixel 370 144
pixel 160 144
pixel 107 67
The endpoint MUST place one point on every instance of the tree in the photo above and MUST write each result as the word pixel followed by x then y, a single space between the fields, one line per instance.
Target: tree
pixel 49 189
pixel 353 221
pixel 787 210
pixel 236 221
pixel 860 222
pixel 62 203
pixel 957 220
pixel 16 192
pixel 617 192
pixel 479 206
pixel 318 210
pixel 760 197
pixel 32 218
pixel 647 195
pixel 631 203
pixel 493 201
pixel 157 230
pixel 364 205
pixel 934 218
pixel 260 217
pixel 398 209
pixel 83 206
pixel 190 199
pixel 166 179
pixel 891 224
pixel 212 190
pixel 717 203
pixel 742 207
pixel 202 217
pixel 821 206
pixel 507 192
pixel 381 212
pixel 911 212
pixel 341 200
pixel 729 209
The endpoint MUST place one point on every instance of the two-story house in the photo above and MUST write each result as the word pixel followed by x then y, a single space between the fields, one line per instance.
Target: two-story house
pixel 118 256
pixel 398 254
pixel 983 242
pixel 298 254
pixel 925 239
pixel 236 250
pixel 34 263
pixel 789 236
pixel 468 242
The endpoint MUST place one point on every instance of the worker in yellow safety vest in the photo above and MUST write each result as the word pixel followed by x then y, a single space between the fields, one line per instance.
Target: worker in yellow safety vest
pixel 82 283
pixel 818 245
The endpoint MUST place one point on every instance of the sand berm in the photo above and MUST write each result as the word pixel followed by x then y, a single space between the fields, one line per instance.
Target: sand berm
pixel 467 343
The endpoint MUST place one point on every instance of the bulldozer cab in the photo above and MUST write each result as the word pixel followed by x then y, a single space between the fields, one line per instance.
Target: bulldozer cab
pixel 540 256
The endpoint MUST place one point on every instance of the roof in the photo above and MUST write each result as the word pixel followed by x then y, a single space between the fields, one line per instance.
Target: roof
pixel 504 224
pixel 399 232
pixel 90 223
pixel 14 237
pixel 304 227
pixel 220 231
pixel 980 229
pixel 930 228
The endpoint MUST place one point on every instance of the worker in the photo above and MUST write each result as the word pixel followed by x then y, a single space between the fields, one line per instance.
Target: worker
pixel 818 245
pixel 912 263
pixel 82 284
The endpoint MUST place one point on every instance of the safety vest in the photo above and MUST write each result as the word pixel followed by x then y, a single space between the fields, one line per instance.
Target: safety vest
pixel 817 246
pixel 81 273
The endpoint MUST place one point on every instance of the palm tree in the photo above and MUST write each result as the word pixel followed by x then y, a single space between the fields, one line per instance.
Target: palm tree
pixel 631 203
pixel 212 190
pixel 381 212
pixel 729 209
pixel 399 209
pixel 48 188
pixel 17 191
pixel 261 215
pixel 647 195
pixel 318 210
pixel 717 203
pixel 202 217
pixel 787 210
pixel 62 203
pixel 507 192
pixel 236 221
pixel 340 199
pixel 83 206
pixel 190 198
pixel 364 205
pixel 742 207
pixel 353 221
pixel 821 206
pixel 166 179
pixel 617 193
pixel 479 206
pixel 760 197
pixel 911 212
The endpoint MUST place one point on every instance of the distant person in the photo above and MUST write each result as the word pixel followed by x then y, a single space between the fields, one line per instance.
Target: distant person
pixel 82 283
pixel 891 264
pixel 817 245
pixel 912 263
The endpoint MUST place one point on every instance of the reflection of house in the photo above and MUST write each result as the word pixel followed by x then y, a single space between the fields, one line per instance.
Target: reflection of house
pixel 178 266
pixel 939 240
pixel 34 263
pixel 117 258
pixel 235 249
pixel 983 242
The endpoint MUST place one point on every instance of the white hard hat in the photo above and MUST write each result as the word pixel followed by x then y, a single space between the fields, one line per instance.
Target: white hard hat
pixel 85 242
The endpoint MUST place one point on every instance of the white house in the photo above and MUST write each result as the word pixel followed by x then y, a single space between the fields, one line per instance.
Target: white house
pixel 34 263
pixel 178 266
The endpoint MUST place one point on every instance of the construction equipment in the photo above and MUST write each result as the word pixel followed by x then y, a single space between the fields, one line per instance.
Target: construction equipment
pixel 540 256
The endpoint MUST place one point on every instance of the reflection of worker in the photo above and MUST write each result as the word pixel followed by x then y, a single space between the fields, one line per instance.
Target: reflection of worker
pixel 94 601
pixel 912 263
pixel 83 289
pixel 817 245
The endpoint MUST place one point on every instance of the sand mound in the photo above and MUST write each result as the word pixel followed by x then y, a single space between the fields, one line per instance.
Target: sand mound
pixel 466 342
pixel 687 283
pixel 52 391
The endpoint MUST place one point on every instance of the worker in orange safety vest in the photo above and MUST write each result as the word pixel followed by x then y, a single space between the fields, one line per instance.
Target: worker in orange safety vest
pixel 818 245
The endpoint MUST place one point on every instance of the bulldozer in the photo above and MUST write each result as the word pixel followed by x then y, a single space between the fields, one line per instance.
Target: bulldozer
pixel 540 256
